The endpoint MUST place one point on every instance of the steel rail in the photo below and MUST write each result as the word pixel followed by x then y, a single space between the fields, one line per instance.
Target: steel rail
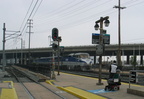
pixel 43 86
pixel 25 88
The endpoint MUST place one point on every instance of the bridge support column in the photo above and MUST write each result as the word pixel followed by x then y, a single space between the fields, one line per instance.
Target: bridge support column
pixel 15 60
pixel 141 60
pixel 25 59
pixel 127 61
pixel 94 59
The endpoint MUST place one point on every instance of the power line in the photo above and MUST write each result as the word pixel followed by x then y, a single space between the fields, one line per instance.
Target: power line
pixel 33 10
pixel 71 15
pixel 34 7
pixel 135 4
pixel 29 14
pixel 37 8
pixel 26 14
pixel 109 11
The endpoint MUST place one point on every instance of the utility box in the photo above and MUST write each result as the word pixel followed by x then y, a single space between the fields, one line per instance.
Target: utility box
pixel 133 76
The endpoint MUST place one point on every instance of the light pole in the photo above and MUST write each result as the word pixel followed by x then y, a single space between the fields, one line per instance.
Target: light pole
pixel 101 41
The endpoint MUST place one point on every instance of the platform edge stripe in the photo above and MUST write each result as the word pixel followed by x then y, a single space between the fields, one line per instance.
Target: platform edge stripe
pixel 81 76
pixel 49 82
pixel 8 94
pixel 11 83
pixel 71 92
pixel 86 93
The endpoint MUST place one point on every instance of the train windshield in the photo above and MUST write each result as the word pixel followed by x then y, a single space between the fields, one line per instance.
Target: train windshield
pixel 82 55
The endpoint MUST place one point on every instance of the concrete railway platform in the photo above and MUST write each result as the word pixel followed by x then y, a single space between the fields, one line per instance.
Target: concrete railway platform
pixel 70 81
pixel 68 86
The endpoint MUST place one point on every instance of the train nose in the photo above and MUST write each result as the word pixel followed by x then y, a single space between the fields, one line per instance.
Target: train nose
pixel 89 61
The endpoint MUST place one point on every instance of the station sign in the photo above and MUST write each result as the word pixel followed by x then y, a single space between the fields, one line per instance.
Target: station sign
pixel 106 38
pixel 95 38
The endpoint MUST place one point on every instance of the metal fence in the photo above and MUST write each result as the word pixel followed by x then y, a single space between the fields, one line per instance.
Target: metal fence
pixel 136 76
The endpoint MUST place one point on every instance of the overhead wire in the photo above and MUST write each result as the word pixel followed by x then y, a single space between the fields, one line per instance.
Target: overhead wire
pixel 103 12
pixel 29 15
pixel 64 8
pixel 55 11
pixel 135 4
pixel 86 6
pixel 89 16
pixel 87 19
pixel 26 15
pixel 64 13
pixel 68 13
pixel 20 29
pixel 37 9
pixel 71 15
pixel 33 9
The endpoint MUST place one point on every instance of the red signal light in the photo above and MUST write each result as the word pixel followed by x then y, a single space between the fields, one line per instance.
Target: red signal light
pixel 55 34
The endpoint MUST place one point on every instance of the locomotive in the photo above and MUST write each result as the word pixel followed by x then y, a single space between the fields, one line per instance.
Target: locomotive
pixel 73 61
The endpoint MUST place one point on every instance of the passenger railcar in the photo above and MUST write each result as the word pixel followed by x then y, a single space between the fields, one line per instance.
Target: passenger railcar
pixel 73 61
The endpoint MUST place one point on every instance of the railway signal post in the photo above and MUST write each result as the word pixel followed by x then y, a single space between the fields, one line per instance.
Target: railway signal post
pixel 59 40
pixel 54 47
pixel 56 43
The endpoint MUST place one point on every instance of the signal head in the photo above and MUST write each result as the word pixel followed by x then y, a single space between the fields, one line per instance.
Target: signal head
pixel 54 34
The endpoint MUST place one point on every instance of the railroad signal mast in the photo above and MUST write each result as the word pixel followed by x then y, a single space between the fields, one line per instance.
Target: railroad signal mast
pixel 55 47
pixel 55 39
pixel 55 34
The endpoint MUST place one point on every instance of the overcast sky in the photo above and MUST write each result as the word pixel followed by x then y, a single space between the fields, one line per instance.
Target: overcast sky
pixel 75 20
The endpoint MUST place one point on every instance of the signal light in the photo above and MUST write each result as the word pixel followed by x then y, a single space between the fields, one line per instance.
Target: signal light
pixel 55 34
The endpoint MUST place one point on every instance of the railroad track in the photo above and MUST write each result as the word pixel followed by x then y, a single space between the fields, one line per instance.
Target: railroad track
pixel 20 76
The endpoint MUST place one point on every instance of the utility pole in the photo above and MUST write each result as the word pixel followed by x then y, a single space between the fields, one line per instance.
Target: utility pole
pixel 29 26
pixel 4 41
pixel 4 56
pixel 119 33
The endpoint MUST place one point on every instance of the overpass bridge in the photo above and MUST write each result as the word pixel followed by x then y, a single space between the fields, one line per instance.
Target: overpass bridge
pixel 110 50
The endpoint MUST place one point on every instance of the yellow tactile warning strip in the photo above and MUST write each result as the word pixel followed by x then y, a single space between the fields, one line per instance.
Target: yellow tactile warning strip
pixel 81 93
pixel 50 82
pixel 9 92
